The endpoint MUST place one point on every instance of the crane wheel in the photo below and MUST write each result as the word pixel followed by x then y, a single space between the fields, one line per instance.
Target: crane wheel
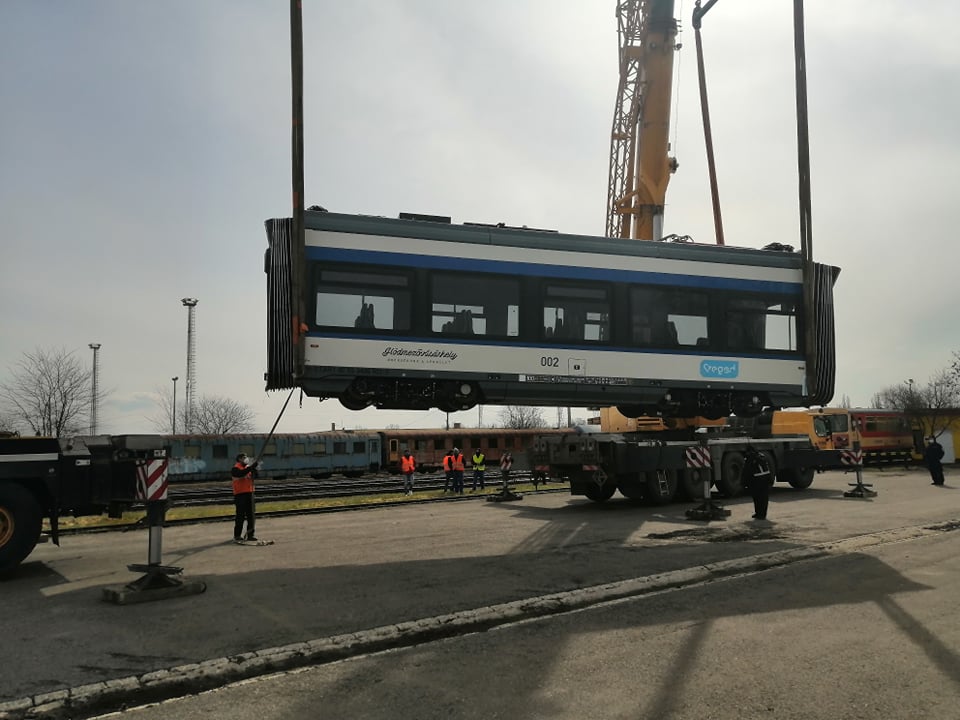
pixel 20 523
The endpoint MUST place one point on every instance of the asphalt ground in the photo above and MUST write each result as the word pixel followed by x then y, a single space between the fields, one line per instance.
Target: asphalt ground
pixel 344 584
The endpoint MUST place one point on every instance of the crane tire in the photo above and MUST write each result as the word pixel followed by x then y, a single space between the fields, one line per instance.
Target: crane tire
pixel 600 493
pixel 730 483
pixel 690 483
pixel 21 518
pixel 799 478
pixel 654 493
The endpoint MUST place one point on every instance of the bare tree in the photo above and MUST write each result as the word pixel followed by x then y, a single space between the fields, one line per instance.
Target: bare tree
pixel 931 407
pixel 49 391
pixel 162 421
pixel 845 402
pixel 520 417
pixel 217 415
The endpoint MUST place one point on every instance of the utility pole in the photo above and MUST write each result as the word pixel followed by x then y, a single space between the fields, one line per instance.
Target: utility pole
pixel 190 399
pixel 94 392
pixel 175 378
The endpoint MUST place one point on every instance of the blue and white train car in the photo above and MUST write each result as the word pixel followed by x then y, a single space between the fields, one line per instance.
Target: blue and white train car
pixel 199 458
pixel 414 313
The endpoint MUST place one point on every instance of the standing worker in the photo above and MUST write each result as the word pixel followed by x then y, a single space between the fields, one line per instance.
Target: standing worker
pixel 447 470
pixel 243 475
pixel 479 467
pixel 458 467
pixel 756 476
pixel 506 463
pixel 407 466
pixel 933 455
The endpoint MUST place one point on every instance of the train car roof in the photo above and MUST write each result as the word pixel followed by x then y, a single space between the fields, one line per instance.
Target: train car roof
pixel 499 234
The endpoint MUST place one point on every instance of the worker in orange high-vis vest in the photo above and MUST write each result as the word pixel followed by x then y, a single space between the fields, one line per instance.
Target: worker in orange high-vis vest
pixel 243 474
pixel 407 466
pixel 447 470
pixel 458 467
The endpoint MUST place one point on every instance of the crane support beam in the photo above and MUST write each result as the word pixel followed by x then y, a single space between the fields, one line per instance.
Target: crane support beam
pixel 640 165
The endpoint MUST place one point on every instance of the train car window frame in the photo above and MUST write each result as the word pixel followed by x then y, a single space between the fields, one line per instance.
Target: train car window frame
pixel 757 323
pixel 574 312
pixel 319 448
pixel 440 443
pixel 298 448
pixel 269 449
pixel 191 452
pixel 359 447
pixel 361 297
pixel 668 317
pixel 220 451
pixel 246 449
pixel 339 447
pixel 474 304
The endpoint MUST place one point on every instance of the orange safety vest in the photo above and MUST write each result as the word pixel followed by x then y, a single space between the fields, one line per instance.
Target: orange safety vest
pixel 458 462
pixel 448 463
pixel 407 464
pixel 243 484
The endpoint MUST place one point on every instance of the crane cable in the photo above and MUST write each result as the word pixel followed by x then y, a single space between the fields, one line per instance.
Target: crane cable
pixel 276 422
pixel 698 14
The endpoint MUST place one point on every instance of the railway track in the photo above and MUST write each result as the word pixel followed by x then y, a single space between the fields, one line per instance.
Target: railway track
pixel 220 493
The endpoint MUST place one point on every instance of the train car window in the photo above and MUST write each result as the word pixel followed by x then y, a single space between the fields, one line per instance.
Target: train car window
pixel 246 449
pixel 509 442
pixel 366 300
pixel 191 451
pixel 320 448
pixel 576 313
pixel 475 304
pixel 339 447
pixel 761 324
pixel 476 443
pixel 420 444
pixel 219 451
pixel 359 447
pixel 665 317
pixel 492 443
pixel 298 449
pixel 270 449
pixel 440 443
pixel 394 445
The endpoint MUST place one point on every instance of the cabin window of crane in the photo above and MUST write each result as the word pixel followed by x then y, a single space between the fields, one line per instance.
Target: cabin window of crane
pixel 475 304
pixel 363 299
pixel 576 312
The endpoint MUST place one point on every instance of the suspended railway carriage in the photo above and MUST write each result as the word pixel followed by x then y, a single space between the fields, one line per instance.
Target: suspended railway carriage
pixel 411 313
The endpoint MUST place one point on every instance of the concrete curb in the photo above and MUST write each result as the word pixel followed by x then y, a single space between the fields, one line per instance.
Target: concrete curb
pixel 197 677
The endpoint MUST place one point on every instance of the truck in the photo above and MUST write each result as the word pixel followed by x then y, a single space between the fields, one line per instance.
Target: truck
pixel 50 478
pixel 661 466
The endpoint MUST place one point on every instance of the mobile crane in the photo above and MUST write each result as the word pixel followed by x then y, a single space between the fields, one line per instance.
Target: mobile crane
pixel 657 459
pixel 54 477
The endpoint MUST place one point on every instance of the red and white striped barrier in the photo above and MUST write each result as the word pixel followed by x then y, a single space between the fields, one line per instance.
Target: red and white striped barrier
pixel 698 457
pixel 851 457
pixel 152 480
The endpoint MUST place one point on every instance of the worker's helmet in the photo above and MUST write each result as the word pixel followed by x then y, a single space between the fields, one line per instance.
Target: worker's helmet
pixel 456 451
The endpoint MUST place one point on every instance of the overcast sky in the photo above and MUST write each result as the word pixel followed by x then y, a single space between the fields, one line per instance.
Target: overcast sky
pixel 142 146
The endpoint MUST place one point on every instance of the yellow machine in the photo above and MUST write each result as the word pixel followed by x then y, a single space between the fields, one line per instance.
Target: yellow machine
pixel 828 428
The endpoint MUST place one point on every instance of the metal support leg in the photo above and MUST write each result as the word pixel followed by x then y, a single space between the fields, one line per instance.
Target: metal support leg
pixel 157 582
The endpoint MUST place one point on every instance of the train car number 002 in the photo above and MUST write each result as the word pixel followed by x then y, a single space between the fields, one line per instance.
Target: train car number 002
pixel 549 361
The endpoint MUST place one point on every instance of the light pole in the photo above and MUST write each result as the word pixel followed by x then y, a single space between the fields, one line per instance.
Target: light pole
pixel 190 395
pixel 174 413
pixel 93 392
